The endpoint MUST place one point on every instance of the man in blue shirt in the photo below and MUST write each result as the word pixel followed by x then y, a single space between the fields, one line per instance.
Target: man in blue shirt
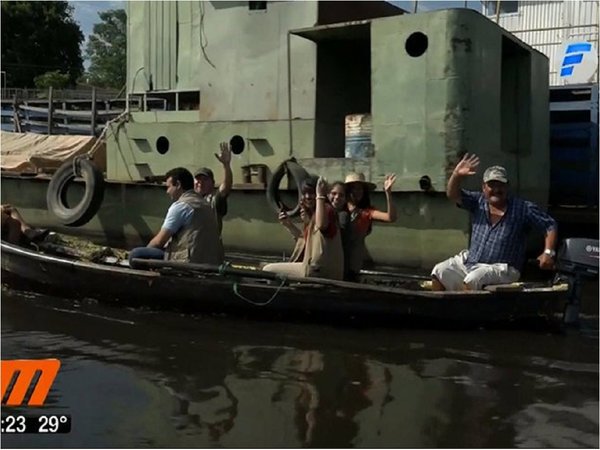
pixel 189 232
pixel 499 221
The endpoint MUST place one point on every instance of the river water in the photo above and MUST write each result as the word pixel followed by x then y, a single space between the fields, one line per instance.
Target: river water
pixel 132 378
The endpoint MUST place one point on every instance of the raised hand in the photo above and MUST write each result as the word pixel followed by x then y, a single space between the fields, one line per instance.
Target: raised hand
pixel 321 186
pixel 389 182
pixel 224 156
pixel 467 165
pixel 283 218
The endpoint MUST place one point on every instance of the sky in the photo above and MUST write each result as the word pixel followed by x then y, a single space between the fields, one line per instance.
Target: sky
pixel 86 14
pixel 428 5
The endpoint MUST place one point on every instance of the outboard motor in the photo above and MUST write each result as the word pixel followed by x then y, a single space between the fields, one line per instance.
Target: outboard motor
pixel 577 259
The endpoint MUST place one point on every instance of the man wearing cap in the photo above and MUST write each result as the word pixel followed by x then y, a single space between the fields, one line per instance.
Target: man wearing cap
pixel 496 252
pixel 204 184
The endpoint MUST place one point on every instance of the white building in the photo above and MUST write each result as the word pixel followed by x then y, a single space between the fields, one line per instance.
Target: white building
pixel 546 24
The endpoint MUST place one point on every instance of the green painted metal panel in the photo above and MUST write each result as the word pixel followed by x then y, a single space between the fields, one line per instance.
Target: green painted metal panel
pixel 463 94
pixel 192 144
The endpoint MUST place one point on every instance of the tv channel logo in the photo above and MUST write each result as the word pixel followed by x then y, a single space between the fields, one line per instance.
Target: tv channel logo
pixel 19 376
pixel 578 61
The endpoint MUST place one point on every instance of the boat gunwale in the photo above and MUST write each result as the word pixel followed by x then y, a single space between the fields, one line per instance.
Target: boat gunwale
pixel 292 282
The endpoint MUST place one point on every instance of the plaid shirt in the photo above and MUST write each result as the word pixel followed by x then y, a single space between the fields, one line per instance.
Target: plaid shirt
pixel 505 241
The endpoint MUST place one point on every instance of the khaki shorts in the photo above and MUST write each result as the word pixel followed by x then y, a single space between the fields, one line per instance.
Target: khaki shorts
pixel 453 273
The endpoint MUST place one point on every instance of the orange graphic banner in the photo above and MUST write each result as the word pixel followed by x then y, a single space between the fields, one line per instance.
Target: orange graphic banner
pixel 23 372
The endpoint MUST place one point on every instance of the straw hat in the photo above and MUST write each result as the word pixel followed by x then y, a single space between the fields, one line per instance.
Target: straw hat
pixel 355 177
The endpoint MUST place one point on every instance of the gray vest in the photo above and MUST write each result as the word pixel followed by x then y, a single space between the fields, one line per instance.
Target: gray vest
pixel 198 241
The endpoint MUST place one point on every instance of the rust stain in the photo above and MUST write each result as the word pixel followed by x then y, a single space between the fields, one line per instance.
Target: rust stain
pixel 461 44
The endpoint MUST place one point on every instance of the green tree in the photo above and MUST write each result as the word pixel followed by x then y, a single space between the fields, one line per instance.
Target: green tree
pixel 107 50
pixel 56 79
pixel 38 37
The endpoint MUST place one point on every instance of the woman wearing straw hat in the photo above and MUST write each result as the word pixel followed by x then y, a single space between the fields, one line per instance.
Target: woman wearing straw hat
pixel 320 238
pixel 362 215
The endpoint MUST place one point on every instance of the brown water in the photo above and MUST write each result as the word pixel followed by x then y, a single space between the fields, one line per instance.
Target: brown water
pixel 154 379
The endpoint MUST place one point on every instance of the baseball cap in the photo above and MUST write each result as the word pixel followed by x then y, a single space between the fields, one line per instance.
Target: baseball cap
pixel 205 171
pixel 495 173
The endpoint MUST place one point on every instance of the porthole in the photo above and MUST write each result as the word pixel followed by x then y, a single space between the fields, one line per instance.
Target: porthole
pixel 162 145
pixel 237 144
pixel 416 44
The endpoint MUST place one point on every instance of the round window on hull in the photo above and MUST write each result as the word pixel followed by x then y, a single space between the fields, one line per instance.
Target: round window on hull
pixel 416 44
pixel 162 145
pixel 237 144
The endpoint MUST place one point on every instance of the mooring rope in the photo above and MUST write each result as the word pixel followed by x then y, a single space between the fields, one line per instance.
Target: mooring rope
pixel 223 271
pixel 252 302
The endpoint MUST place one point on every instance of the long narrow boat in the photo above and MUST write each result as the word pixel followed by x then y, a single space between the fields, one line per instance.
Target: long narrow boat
pixel 198 288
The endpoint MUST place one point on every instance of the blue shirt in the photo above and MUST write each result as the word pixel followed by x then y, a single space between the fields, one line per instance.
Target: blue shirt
pixel 505 241
pixel 178 215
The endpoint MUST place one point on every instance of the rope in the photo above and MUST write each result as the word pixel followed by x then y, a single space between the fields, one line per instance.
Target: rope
pixel 223 271
pixel 203 38
pixel 75 164
pixel 121 118
pixel 252 302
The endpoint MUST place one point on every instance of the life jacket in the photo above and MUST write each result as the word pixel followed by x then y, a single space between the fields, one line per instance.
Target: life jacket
pixel 198 241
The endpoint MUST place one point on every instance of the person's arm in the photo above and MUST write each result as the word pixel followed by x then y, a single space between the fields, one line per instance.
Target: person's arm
pixel 546 260
pixel 321 219
pixel 177 216
pixel 390 215
pixel 465 167
pixel 225 158
pixel 285 220
pixel 544 222
pixel 161 239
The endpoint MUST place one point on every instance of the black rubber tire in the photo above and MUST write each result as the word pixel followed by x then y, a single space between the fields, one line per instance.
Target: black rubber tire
pixel 298 174
pixel 89 205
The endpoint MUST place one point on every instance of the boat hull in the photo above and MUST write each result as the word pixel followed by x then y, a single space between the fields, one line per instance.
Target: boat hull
pixel 249 295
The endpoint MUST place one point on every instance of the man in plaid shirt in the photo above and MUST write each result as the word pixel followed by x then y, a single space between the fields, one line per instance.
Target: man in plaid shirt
pixel 500 221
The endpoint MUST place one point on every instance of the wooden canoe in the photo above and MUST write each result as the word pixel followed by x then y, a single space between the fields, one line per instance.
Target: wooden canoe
pixel 195 288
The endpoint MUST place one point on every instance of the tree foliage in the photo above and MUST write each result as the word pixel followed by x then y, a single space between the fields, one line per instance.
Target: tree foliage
pixel 107 50
pixel 55 79
pixel 38 37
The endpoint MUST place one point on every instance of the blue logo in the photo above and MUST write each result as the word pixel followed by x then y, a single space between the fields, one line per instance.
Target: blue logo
pixel 574 56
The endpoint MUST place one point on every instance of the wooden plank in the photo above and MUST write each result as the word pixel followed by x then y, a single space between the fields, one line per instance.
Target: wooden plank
pixel 84 114
pixel 36 109
pixel 35 123
pixel 50 108
pixel 80 128
pixel 93 118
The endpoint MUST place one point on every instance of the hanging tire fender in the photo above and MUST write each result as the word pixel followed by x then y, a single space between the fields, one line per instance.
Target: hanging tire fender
pixel 88 206
pixel 298 174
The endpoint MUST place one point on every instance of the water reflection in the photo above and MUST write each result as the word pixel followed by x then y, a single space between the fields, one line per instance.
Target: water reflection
pixel 139 378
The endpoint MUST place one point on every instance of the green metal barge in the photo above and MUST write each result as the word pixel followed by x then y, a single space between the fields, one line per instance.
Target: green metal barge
pixel 284 78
